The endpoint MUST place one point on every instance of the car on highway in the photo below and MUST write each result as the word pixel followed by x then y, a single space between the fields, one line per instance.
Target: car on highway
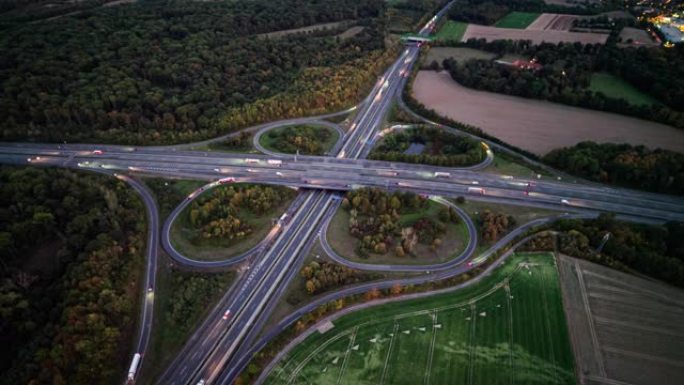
pixel 98 152
pixel 470 263
pixel 475 182
pixel 201 382
pixel 565 202
pixel 226 180
pixel 226 314
pixel 279 173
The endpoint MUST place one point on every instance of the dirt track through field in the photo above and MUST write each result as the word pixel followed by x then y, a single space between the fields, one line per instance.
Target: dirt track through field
pixel 552 21
pixel 535 125
pixel 537 37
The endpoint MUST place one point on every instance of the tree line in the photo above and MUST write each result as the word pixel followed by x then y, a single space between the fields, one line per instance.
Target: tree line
pixel 622 164
pixel 155 72
pixel 441 148
pixel 656 251
pixel 322 276
pixel 72 247
pixel 566 76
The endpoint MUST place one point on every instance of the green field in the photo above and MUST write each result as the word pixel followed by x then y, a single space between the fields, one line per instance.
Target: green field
pixel 451 31
pixel 518 20
pixel 508 328
pixel 614 87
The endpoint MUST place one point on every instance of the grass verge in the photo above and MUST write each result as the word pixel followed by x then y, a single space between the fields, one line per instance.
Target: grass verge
pixel 451 31
pixel 517 20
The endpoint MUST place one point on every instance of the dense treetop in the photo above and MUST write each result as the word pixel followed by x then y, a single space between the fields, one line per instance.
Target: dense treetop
pixel 623 164
pixel 71 247
pixel 171 71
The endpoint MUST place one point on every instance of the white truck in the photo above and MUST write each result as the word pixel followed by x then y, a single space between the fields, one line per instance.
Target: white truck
pixel 133 369
pixel 476 190
pixel 248 160
pixel 440 174
pixel 275 162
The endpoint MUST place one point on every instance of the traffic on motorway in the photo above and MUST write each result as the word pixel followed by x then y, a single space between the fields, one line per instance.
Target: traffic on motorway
pixel 222 345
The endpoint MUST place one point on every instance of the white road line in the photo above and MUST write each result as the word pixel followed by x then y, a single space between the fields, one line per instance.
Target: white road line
pixel 431 352
pixel 471 353
pixel 587 310
pixel 548 327
pixel 346 354
pixel 389 354
pixel 507 288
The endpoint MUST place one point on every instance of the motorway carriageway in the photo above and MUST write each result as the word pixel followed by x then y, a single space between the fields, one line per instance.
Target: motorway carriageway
pixel 320 172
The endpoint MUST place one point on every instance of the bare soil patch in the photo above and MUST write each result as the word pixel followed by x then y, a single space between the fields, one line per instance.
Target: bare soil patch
pixel 535 125
pixel 552 21
pixel 624 329
pixel 537 37
pixel 315 27
pixel 351 32
pixel 636 37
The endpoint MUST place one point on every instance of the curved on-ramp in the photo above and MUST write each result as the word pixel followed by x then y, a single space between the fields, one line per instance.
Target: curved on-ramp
pixel 256 140
pixel 468 251
pixel 200 264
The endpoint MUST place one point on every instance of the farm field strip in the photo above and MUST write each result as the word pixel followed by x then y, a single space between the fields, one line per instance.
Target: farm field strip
pixel 497 331
pixel 537 37
pixel 552 21
pixel 629 330
pixel 535 125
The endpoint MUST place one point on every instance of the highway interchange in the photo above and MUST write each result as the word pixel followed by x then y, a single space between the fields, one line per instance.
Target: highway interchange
pixel 221 347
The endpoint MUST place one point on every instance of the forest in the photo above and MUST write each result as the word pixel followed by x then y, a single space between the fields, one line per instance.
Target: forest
pixel 566 74
pixel 441 148
pixel 72 247
pixel 622 164
pixel 224 212
pixel 162 72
